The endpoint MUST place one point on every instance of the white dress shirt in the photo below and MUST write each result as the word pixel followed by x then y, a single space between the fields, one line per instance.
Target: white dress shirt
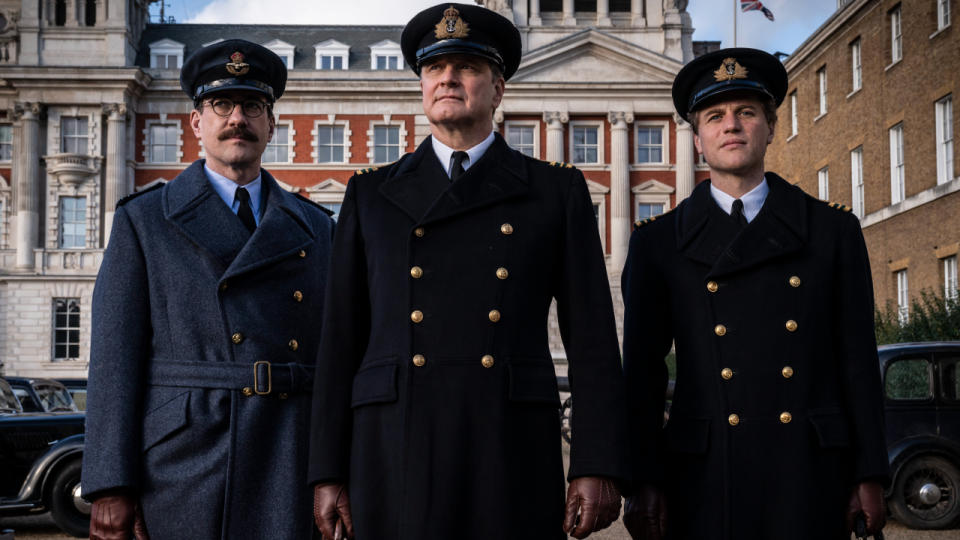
pixel 445 153
pixel 752 200
pixel 227 190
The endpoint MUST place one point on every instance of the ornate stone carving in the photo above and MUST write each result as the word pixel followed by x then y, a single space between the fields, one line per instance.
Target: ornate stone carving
pixel 554 117
pixel 615 117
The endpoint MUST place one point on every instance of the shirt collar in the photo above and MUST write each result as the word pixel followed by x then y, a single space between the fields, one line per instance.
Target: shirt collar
pixel 752 200
pixel 227 190
pixel 445 153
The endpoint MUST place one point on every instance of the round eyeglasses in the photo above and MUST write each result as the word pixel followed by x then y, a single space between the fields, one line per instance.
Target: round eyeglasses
pixel 251 108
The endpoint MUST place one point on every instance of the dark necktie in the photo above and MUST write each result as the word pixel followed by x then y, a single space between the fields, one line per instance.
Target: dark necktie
pixel 737 213
pixel 457 168
pixel 244 212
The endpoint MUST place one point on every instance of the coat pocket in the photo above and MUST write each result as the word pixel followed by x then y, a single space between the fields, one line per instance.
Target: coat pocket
pixel 534 383
pixel 375 385
pixel 165 420
pixel 688 435
pixel 831 427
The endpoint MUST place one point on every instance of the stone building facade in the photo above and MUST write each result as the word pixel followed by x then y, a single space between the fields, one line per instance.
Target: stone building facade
pixel 91 110
pixel 869 122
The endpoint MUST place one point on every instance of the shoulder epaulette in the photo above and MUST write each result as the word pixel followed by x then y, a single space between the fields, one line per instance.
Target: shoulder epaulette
pixel 839 206
pixel 561 164
pixel 308 200
pixel 640 223
pixel 364 171
pixel 134 195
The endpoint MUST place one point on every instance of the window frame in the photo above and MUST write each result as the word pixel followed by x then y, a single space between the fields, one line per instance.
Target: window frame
pixel 903 295
pixel 822 90
pixel 284 50
pixel 315 142
pixel 289 145
pixel 67 329
pixel 896 34
pixel 897 169
pixel 858 191
pixel 6 127
pixel 372 143
pixel 82 140
pixel 950 280
pixel 533 124
pixel 856 65
pixel 333 49
pixel 148 139
pixel 794 115
pixel 943 115
pixel 823 183
pixel 389 49
pixel 166 48
pixel 595 124
pixel 61 236
pixel 664 143
pixel 931 394
pixel 943 14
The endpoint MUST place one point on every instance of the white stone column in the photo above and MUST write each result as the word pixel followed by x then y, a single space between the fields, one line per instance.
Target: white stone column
pixel 603 13
pixel 72 6
pixel 636 12
pixel 555 121
pixel 620 221
pixel 535 19
pixel 685 162
pixel 28 185
pixel 569 18
pixel 115 185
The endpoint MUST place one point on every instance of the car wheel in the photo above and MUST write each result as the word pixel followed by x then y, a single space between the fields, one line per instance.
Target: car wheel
pixel 69 511
pixel 566 419
pixel 927 494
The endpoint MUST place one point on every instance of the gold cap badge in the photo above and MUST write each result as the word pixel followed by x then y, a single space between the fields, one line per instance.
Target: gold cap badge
pixel 236 66
pixel 730 70
pixel 451 25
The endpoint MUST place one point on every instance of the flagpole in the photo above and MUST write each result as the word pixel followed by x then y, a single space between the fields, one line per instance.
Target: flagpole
pixel 735 22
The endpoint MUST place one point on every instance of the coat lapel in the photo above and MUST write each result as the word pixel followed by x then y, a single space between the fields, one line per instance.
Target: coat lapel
pixel 417 182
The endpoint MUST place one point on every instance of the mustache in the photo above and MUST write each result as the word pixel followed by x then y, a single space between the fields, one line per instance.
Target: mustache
pixel 238 132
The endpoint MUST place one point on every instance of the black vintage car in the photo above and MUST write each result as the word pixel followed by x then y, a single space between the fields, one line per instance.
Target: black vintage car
pixel 40 456
pixel 42 395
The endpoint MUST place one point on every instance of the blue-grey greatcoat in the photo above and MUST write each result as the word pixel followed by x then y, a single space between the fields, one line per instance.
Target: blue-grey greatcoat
pixel 185 304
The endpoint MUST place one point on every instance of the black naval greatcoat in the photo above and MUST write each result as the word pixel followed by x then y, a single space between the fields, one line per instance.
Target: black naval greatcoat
pixel 777 408
pixel 436 398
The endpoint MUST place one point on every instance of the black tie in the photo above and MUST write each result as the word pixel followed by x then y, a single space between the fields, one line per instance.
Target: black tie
pixel 457 168
pixel 737 213
pixel 244 212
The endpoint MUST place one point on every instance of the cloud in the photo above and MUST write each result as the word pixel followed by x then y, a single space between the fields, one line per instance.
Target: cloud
pixel 355 12
pixel 795 21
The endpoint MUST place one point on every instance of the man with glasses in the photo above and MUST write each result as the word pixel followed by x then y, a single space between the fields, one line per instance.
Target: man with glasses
pixel 206 317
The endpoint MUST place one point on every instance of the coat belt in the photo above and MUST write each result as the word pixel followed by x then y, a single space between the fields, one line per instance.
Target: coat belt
pixel 260 378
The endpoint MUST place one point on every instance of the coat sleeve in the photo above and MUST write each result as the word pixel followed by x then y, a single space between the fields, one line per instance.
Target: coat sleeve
pixel 119 349
pixel 588 329
pixel 343 341
pixel 858 351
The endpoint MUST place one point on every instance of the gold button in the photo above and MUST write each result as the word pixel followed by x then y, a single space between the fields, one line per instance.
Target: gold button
pixel 502 273
pixel 712 286
pixel 302 254
pixel 487 361
pixel 298 296
pixel 419 232
pixel 283 395
pixel 506 228
pixel 223 286
pixel 733 419
pixel 794 281
pixel 416 316
pixel 785 417
pixel 787 372
pixel 416 272
pixel 237 338
pixel 726 373
pixel 719 329
pixel 791 325
pixel 494 315
pixel 293 345
pixel 419 360
pixel 247 391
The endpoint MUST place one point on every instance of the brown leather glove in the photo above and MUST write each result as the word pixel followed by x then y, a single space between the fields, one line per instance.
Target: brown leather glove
pixel 331 511
pixel 117 517
pixel 867 497
pixel 645 514
pixel 598 502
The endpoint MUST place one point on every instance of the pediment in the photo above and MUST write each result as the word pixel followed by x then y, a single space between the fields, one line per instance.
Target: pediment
pixel 652 186
pixel 327 186
pixel 156 181
pixel 594 187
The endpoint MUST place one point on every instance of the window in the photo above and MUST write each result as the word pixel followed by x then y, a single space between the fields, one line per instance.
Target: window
pixel 73 134
pixel 950 373
pixel 856 180
pixel 333 207
pixel 66 328
pixel 903 296
pixel 278 149
pixel 794 122
pixel 896 39
pixel 522 138
pixel 6 142
pixel 943 14
pixel 944 114
pixel 586 144
pixel 330 62
pixel 950 278
pixel 330 144
pixel 385 55
pixel 856 67
pixel 647 210
pixel 387 62
pixel 822 82
pixel 387 144
pixel 73 222
pixel 282 49
pixel 823 184
pixel 649 144
pixel 163 145
pixel 897 189
pixel 908 378
pixel 166 54
pixel 331 54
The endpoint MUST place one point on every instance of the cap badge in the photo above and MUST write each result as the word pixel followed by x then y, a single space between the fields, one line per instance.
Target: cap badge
pixel 730 70
pixel 451 25
pixel 236 66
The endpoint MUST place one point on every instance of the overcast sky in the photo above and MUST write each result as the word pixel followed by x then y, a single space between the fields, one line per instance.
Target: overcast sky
pixel 712 19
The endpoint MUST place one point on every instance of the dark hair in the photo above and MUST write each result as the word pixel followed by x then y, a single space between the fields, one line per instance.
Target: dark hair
pixel 766 103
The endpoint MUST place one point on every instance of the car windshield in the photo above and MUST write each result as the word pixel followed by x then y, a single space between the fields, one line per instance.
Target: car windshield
pixel 8 401
pixel 54 397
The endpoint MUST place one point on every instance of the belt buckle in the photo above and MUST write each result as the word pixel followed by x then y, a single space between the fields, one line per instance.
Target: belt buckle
pixel 256 377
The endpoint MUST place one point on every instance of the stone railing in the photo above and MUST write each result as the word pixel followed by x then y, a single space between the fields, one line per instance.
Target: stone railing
pixel 73 169
pixel 68 261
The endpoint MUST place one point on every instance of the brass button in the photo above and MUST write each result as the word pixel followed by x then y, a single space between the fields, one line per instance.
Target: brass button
pixel 719 329
pixel 302 254
pixel 416 272
pixel 419 360
pixel 494 315
pixel 791 325
pixel 785 417
pixel 419 232
pixel 298 296
pixel 487 361
pixel 293 345
pixel 506 228
pixel 712 286
pixel 416 316
pixel 787 372
pixel 794 281
pixel 502 273
pixel 283 395
pixel 733 419
pixel 223 286
pixel 247 391
pixel 726 373
pixel 237 338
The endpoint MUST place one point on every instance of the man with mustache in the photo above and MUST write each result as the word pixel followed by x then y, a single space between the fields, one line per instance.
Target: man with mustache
pixel 436 405
pixel 776 425
pixel 206 317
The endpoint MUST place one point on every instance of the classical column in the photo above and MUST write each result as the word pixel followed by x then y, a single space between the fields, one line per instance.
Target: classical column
pixel 555 121
pixel 115 186
pixel 28 184
pixel 620 222
pixel 636 12
pixel 603 13
pixel 685 161
pixel 569 19
pixel 72 13
pixel 535 19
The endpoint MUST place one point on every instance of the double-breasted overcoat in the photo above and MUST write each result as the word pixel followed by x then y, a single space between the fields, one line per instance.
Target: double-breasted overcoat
pixel 777 408
pixel 204 340
pixel 435 380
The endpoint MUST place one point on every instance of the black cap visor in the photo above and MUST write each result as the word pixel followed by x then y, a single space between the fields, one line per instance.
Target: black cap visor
pixel 458 46
pixel 707 94
pixel 221 85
